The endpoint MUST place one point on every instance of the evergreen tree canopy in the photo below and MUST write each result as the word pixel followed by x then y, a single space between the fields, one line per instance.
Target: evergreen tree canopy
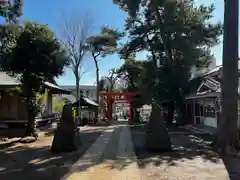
pixel 31 51
pixel 177 34
pixel 11 10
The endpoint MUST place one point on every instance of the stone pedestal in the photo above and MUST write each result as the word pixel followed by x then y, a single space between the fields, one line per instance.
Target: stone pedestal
pixel 66 136
pixel 157 138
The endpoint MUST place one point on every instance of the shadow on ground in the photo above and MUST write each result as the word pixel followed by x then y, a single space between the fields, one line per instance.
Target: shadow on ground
pixel 190 151
pixel 108 157
pixel 35 161
pixel 115 157
pixel 186 146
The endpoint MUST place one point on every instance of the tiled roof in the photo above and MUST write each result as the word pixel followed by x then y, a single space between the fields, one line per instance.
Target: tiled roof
pixel 216 69
pixel 70 97
pixel 213 70
pixel 53 86
pixel 6 80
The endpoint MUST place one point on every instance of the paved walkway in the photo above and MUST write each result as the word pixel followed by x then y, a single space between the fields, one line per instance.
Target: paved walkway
pixel 110 157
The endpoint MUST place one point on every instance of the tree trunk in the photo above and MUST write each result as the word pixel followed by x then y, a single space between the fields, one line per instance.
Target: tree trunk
pixel 109 109
pixel 30 129
pixel 227 131
pixel 31 114
pixel 157 136
pixel 170 113
pixel 77 93
pixel 98 84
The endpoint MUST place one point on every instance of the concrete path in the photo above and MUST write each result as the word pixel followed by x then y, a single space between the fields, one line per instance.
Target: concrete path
pixel 84 167
pixel 126 159
pixel 110 157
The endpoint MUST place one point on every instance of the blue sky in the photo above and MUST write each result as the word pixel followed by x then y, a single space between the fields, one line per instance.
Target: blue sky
pixel 103 12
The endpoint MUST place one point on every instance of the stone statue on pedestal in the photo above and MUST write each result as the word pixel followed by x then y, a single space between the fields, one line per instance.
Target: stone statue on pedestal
pixel 66 136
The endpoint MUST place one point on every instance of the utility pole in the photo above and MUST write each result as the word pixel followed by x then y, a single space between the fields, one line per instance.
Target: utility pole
pixel 229 90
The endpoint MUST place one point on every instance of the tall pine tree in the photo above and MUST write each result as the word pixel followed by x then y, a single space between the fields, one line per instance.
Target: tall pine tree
pixel 179 36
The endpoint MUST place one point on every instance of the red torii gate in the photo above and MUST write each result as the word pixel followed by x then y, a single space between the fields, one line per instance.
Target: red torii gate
pixel 109 96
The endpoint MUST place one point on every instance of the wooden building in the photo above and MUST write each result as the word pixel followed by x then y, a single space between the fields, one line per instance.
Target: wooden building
pixel 12 106
pixel 203 101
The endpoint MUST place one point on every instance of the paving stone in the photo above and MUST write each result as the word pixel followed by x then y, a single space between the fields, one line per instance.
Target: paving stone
pixel 126 160
pixel 85 166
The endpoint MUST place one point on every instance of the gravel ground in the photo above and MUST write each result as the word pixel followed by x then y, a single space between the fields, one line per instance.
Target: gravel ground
pixel 191 158
pixel 35 161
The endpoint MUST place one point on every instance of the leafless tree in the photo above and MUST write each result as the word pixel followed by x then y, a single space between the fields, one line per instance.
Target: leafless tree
pixel 74 30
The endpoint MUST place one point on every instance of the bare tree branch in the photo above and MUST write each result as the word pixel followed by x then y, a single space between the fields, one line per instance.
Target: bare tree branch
pixel 75 28
pixel 82 72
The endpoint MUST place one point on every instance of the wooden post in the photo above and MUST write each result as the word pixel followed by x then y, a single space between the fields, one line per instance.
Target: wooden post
pixel 109 108
pixel 129 99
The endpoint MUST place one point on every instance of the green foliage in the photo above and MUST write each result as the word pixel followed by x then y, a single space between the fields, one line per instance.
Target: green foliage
pixel 58 106
pixel 104 43
pixel 74 111
pixel 108 83
pixel 11 10
pixel 138 76
pixel 8 38
pixel 11 91
pixel 39 103
pixel 40 96
pixel 131 72
pixel 130 6
pixel 33 55
pixel 66 101
pixel 175 33
pixel 101 45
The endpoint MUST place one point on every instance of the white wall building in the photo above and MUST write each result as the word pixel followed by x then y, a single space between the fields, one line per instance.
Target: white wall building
pixel 87 90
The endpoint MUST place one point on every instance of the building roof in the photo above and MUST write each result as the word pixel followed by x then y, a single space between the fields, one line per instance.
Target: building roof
pixel 56 89
pixel 211 71
pixel 208 85
pixel 203 95
pixel 69 97
pixel 82 87
pixel 7 81
pixel 84 101
pixel 205 85
pixel 216 69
